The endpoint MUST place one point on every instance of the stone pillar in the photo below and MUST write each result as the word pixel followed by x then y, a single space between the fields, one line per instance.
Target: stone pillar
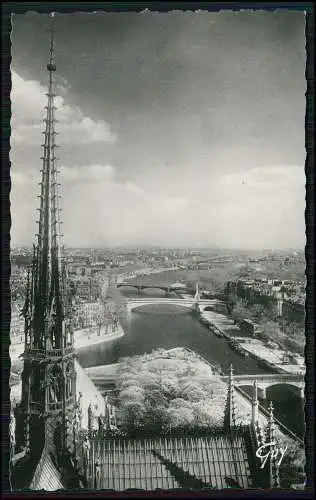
pixel 262 391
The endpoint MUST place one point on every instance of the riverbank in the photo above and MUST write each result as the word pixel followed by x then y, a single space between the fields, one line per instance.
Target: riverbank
pixel 269 354
pixel 90 337
pixel 83 340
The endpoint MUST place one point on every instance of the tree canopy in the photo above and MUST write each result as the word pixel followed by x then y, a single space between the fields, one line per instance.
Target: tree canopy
pixel 163 391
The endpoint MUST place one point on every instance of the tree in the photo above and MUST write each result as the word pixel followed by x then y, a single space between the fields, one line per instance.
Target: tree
pixel 99 321
pixel 193 391
pixel 155 416
pixel 132 393
pixel 207 414
pixel 155 397
pixel 257 311
pixel 230 300
pixel 132 414
pixel 239 311
pixel 180 417
pixel 180 403
pixel 270 330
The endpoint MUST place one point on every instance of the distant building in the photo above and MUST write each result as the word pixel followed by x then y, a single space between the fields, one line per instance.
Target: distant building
pixel 286 297
pixel 86 288
pixel 249 328
pixel 87 314
pixel 16 324
pixel 18 282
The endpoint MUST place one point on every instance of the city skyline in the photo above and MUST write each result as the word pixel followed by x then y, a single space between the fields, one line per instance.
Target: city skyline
pixel 144 144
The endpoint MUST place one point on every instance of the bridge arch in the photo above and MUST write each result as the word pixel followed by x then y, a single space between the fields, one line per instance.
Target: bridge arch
pixel 132 306
pixel 128 288
pixel 133 303
pixel 297 388
pixel 154 288
pixel 127 285
pixel 264 388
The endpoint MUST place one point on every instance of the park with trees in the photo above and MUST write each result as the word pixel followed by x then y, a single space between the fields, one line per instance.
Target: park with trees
pixel 162 391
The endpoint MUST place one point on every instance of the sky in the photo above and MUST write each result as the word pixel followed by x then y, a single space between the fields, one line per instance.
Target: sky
pixel 175 129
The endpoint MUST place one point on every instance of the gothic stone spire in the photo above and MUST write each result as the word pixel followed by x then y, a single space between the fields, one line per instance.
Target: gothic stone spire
pixel 48 282
pixel 48 402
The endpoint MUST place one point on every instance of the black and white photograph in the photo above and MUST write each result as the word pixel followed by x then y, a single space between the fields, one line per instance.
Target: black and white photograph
pixel 158 250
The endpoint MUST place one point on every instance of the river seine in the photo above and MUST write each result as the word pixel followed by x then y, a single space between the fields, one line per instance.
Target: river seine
pixel 164 326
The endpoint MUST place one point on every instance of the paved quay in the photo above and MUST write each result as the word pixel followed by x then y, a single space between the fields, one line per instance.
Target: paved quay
pixel 268 352
pixel 84 338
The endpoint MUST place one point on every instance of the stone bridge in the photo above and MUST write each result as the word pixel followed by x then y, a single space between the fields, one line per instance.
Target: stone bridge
pixel 264 381
pixel 188 303
pixel 139 286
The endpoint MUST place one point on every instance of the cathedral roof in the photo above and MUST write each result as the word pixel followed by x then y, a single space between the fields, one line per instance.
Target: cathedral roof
pixel 90 394
pixel 217 460
pixel 46 477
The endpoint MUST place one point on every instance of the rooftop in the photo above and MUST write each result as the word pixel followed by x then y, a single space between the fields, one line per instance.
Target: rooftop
pixel 217 460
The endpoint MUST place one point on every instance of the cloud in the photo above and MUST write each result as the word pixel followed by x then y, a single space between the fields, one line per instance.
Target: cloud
pixel 273 188
pixel 97 209
pixel 90 173
pixel 263 176
pixel 132 188
pixel 29 98
pixel 260 208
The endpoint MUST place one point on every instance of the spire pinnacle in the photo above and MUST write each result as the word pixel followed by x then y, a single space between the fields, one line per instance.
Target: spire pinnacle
pixel 255 391
pixel 270 426
pixel 255 403
pixel 274 478
pixel 51 66
pixel 230 410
